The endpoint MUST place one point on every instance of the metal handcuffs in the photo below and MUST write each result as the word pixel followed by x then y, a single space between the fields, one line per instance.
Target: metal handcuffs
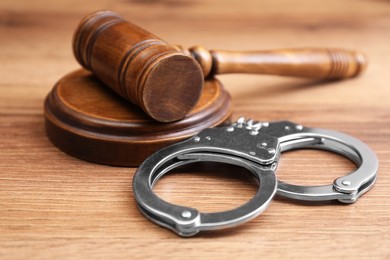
pixel 255 146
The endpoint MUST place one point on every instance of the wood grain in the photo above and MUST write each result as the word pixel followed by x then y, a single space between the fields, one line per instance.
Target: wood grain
pixel 314 63
pixel 84 118
pixel 54 206
pixel 138 65
pixel 166 80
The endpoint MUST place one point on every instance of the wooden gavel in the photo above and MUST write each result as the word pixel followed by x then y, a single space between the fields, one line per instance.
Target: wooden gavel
pixel 166 80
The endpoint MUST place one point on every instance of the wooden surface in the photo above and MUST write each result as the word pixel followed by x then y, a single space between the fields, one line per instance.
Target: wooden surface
pixel 54 206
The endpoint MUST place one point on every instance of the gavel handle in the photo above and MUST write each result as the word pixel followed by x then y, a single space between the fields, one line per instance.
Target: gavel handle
pixel 316 63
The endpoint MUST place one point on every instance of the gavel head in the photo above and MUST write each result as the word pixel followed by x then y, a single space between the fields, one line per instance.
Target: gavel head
pixel 138 65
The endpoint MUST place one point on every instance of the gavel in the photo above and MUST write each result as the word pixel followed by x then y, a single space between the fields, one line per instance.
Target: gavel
pixel 166 80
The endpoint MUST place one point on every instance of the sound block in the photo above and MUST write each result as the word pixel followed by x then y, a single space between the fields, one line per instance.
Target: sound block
pixel 86 119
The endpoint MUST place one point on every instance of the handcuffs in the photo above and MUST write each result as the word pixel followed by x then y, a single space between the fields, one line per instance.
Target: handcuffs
pixel 255 146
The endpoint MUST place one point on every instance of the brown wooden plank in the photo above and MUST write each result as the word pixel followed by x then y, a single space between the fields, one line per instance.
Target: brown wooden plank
pixel 55 206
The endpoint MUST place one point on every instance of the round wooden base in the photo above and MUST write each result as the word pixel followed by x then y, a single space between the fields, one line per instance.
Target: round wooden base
pixel 89 121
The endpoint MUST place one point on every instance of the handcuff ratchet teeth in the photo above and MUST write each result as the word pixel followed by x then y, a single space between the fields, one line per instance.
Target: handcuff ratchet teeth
pixel 255 146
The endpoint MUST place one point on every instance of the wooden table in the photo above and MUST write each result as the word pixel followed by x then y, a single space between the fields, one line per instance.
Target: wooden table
pixel 54 206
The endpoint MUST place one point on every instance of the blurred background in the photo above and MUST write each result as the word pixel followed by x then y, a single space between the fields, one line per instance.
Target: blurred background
pixel 41 32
